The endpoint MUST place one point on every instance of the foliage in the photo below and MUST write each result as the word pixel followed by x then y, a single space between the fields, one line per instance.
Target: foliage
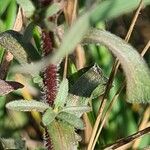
pixel 45 40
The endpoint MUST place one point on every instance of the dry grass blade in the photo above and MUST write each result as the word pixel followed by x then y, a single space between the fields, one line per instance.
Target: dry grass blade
pixel 19 20
pixel 134 21
pixel 146 48
pixel 128 139
pixel 106 115
pixel 143 124
pixel 65 67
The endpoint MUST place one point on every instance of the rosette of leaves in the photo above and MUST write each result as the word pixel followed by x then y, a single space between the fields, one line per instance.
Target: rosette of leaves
pixel 63 119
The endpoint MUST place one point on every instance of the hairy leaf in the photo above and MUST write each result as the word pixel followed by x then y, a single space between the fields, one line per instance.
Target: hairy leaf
pixel 76 110
pixel 27 7
pixel 62 135
pixel 48 116
pixel 74 100
pixel 52 9
pixel 24 105
pixel 13 41
pixel 71 119
pixel 9 86
pixel 62 94
pixel 135 68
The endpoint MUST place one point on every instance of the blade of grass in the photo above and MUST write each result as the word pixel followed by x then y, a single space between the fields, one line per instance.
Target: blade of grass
pixel 11 14
pixel 5 4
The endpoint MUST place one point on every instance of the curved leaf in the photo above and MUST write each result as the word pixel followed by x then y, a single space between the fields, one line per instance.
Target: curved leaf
pixel 136 71
pixel 13 41
pixel 71 38
pixel 24 105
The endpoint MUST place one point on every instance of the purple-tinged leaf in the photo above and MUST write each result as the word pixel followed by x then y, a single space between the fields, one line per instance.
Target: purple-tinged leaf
pixel 9 86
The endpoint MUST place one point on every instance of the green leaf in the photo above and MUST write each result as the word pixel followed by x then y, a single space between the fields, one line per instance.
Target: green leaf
pixel 16 144
pixel 28 32
pixel 63 136
pixel 52 9
pixel 4 4
pixel 27 7
pixel 22 51
pixel 71 119
pixel 136 71
pixel 2 25
pixel 77 101
pixel 76 110
pixel 11 14
pixel 9 86
pixel 109 9
pixel 87 83
pixel 37 37
pixel 25 105
pixel 62 94
pixel 49 116
pixel 38 80
pixel 99 90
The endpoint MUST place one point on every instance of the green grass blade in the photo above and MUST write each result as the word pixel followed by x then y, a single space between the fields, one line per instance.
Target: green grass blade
pixel 4 4
pixel 11 14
